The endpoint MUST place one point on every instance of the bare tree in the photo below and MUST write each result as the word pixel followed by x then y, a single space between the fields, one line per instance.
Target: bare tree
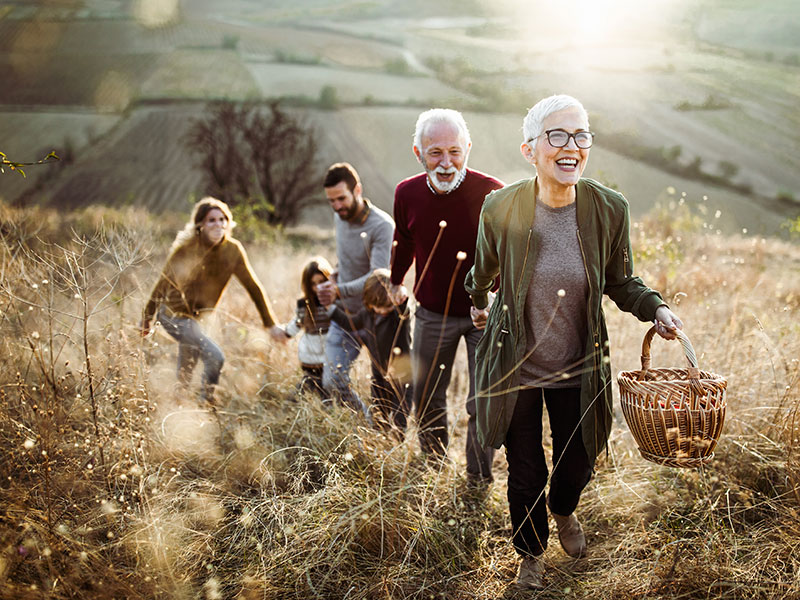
pixel 259 156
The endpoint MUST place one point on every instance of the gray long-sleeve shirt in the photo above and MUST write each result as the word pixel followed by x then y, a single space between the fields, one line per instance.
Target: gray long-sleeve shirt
pixel 555 308
pixel 360 249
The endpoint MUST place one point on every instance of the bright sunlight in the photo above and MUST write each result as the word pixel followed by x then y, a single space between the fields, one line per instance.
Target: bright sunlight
pixel 596 22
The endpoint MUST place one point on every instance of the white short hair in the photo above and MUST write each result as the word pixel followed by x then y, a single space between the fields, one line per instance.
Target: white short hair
pixel 533 123
pixel 440 115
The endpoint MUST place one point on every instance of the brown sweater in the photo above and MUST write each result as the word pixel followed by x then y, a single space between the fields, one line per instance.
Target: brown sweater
pixel 196 275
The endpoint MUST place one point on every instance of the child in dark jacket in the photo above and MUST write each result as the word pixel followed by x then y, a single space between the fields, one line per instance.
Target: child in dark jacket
pixel 387 336
pixel 312 319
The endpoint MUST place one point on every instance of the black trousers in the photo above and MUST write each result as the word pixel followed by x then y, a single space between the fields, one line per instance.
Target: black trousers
pixel 527 467
pixel 311 382
pixel 391 401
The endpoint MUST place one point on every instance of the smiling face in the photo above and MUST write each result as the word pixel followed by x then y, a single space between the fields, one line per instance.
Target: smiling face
pixel 558 167
pixel 443 154
pixel 214 226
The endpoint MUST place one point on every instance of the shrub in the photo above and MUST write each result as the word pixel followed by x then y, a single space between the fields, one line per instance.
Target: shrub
pixel 328 97
pixel 261 156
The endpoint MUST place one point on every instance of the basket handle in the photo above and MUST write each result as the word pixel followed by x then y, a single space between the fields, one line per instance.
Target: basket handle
pixel 688 351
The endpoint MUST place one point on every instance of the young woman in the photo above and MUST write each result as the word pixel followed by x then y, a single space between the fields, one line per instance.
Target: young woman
pixel 201 262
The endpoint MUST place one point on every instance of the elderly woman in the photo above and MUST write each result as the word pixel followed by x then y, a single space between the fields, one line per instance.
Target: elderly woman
pixel 201 262
pixel 558 243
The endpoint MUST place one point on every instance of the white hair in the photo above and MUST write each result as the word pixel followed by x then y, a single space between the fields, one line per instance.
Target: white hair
pixel 440 115
pixel 533 123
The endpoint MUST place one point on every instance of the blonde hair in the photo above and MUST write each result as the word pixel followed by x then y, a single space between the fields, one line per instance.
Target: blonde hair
pixel 191 230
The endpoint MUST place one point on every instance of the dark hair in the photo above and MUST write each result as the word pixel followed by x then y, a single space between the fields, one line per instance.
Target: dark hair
pixel 376 288
pixel 316 265
pixel 339 172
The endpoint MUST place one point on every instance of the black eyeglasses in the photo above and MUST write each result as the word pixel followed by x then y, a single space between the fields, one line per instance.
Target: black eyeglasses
pixel 558 138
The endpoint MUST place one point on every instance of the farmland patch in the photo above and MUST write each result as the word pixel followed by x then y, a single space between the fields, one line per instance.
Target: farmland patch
pixel 278 80
pixel 143 162
pixel 200 74
pixel 30 136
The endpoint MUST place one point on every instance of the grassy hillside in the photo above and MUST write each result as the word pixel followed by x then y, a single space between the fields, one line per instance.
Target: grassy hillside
pixel 144 161
pixel 117 484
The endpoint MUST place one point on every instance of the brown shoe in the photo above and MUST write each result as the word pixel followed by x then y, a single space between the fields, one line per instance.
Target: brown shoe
pixel 531 573
pixel 570 533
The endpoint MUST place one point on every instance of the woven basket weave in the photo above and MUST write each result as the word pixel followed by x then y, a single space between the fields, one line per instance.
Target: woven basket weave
pixel 675 415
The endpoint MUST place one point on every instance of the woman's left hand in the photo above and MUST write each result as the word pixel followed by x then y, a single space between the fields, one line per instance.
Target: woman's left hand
pixel 278 334
pixel 667 323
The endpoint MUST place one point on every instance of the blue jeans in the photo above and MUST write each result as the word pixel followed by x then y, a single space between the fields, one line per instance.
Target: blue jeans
pixel 436 339
pixel 194 344
pixel 341 349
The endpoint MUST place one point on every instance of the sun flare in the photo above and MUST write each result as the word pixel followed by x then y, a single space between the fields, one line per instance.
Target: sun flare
pixel 595 22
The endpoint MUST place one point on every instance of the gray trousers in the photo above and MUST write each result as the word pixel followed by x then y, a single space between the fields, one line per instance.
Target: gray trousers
pixel 194 344
pixel 341 350
pixel 436 339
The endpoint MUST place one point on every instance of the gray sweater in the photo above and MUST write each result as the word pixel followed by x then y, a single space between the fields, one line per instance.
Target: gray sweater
pixel 358 256
pixel 555 309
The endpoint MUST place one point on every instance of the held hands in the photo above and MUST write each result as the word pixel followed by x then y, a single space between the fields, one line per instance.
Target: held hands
pixel 398 294
pixel 327 292
pixel 278 334
pixel 667 323
pixel 480 316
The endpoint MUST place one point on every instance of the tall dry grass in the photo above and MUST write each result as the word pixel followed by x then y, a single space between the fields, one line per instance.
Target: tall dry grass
pixel 115 483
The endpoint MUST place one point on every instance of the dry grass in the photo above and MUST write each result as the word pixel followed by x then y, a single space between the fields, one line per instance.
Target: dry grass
pixel 114 483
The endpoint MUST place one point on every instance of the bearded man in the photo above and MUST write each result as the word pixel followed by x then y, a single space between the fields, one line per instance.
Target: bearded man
pixel 436 217
pixel 363 244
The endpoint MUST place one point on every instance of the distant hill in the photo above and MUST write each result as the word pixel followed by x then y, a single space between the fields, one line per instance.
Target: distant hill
pixel 114 95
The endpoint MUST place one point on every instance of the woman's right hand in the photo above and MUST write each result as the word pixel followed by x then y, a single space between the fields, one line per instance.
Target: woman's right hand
pixel 481 315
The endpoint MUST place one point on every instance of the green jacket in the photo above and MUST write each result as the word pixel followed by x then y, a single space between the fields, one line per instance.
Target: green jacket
pixel 507 247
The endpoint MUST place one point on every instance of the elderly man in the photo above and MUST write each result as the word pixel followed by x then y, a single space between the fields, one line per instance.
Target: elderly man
pixel 436 215
pixel 363 244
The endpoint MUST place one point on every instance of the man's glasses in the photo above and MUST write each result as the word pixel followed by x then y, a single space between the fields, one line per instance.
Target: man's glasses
pixel 558 138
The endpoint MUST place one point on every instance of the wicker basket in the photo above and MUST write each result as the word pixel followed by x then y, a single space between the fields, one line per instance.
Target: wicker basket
pixel 675 415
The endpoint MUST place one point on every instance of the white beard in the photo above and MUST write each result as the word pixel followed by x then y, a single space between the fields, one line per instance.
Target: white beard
pixel 446 186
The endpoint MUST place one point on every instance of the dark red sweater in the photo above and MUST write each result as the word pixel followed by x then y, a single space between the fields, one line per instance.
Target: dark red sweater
pixel 417 214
